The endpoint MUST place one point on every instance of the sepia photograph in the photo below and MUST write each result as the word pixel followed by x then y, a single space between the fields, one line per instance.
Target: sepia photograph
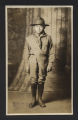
pixel 39 60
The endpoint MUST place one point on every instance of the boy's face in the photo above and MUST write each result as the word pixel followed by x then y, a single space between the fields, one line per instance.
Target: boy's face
pixel 38 28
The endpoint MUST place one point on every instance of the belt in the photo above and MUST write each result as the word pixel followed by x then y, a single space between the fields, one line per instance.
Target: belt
pixel 31 54
pixel 41 55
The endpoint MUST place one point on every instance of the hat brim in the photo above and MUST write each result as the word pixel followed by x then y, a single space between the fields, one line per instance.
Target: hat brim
pixel 39 24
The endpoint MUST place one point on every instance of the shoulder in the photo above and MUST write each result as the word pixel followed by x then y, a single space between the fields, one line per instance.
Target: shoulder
pixel 29 38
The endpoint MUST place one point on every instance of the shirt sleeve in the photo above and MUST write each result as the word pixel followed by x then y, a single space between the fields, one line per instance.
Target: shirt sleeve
pixel 26 54
pixel 51 52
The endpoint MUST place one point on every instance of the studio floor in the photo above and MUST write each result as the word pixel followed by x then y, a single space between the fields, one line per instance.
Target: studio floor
pixel 18 103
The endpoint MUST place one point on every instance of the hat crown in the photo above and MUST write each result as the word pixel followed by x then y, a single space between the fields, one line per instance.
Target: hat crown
pixel 39 21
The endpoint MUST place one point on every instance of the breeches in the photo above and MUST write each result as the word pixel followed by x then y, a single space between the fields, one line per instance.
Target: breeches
pixel 37 69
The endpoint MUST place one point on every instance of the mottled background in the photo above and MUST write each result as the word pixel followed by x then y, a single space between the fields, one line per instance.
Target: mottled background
pixel 59 19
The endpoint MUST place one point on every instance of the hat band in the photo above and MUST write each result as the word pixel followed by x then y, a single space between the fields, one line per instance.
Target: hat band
pixel 39 24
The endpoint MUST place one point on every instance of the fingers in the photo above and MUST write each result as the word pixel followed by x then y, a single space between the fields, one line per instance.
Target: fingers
pixel 49 69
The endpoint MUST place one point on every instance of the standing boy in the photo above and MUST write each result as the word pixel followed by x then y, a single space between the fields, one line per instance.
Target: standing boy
pixel 40 55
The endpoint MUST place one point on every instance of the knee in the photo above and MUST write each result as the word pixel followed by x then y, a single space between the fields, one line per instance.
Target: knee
pixel 41 81
pixel 33 80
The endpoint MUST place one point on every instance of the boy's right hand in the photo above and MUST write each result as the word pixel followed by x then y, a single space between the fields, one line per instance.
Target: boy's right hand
pixel 49 68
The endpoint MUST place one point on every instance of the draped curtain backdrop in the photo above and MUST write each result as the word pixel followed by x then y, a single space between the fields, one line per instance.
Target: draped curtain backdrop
pixel 19 20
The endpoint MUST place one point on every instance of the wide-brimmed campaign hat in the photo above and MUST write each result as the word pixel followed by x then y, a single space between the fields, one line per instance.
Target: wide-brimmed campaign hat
pixel 39 21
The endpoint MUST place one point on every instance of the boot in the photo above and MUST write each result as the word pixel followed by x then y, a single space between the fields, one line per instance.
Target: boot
pixel 33 92
pixel 40 93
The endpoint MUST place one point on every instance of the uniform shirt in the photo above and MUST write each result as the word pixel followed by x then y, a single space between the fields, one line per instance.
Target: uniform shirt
pixel 40 46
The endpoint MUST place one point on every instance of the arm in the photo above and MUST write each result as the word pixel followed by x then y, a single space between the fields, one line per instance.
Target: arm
pixel 26 55
pixel 51 55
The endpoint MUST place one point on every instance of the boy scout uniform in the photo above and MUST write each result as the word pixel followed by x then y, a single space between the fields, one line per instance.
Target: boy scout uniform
pixel 39 55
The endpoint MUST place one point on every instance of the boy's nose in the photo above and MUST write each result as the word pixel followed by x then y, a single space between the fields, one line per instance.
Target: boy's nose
pixel 39 28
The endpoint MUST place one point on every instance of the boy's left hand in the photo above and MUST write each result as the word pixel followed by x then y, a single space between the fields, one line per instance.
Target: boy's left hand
pixel 49 68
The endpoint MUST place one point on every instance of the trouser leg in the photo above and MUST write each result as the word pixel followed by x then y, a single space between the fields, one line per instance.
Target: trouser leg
pixel 41 81
pixel 33 70
pixel 33 78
